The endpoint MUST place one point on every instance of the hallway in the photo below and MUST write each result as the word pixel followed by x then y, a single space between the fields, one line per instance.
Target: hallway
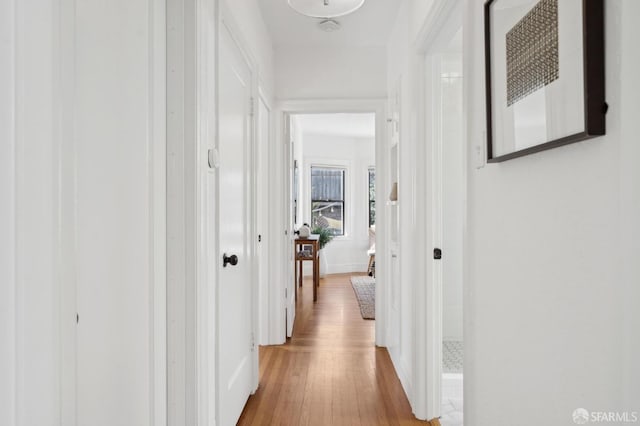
pixel 329 372
pixel 146 220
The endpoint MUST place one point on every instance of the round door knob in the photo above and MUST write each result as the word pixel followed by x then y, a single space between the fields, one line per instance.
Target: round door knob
pixel 233 260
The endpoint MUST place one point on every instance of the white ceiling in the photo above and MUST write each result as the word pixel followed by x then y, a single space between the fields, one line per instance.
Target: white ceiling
pixel 349 125
pixel 367 27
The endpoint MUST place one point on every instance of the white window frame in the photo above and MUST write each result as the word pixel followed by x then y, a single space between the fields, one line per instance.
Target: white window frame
pixel 368 199
pixel 348 192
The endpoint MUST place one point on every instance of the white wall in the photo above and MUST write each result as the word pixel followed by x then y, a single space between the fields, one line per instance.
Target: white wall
pixel 7 216
pixel 419 11
pixel 345 253
pixel 256 39
pixel 551 318
pixel 330 73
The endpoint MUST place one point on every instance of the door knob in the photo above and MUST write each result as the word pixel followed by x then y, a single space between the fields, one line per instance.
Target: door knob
pixel 233 260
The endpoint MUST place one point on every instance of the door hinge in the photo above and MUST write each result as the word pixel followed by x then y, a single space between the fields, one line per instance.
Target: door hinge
pixel 285 293
pixel 253 342
pixel 252 106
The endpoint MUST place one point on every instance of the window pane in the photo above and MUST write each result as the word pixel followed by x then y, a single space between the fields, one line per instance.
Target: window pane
pixel 327 198
pixel 372 197
pixel 327 184
pixel 328 214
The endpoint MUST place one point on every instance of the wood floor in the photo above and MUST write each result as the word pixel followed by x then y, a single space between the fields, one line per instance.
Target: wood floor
pixel 329 372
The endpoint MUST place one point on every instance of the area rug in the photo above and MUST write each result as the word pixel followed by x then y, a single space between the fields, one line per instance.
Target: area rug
pixel 365 290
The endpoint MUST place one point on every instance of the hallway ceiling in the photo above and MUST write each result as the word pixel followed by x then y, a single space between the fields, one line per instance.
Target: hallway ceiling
pixel 367 27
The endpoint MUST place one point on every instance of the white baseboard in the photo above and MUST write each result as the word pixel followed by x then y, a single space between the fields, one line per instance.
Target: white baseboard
pixel 345 268
pixel 402 371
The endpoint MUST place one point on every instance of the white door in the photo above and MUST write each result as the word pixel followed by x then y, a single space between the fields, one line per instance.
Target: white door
pixel 262 208
pixel 289 235
pixel 235 346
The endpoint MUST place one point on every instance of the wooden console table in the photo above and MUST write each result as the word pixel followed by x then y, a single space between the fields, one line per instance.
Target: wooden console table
pixel 307 249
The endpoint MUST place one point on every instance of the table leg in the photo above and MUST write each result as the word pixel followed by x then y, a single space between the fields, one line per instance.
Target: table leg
pixel 316 277
pixel 313 283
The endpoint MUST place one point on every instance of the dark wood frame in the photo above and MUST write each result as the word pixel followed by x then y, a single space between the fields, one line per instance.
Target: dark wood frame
pixel 595 107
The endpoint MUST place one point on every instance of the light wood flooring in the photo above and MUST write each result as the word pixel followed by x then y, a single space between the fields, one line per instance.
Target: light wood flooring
pixel 329 372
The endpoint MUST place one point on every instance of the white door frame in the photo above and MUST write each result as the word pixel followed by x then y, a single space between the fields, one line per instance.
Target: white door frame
pixel 192 261
pixel 285 109
pixel 288 278
pixel 183 16
pixel 262 197
pixel 443 21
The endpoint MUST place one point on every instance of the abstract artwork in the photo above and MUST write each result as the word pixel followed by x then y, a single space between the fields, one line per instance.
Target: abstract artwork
pixel 532 51
pixel 544 74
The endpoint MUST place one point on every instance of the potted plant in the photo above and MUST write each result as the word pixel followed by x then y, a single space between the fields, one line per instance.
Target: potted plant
pixel 325 236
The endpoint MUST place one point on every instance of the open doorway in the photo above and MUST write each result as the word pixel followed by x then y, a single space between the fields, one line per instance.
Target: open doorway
pixel 446 203
pixel 332 161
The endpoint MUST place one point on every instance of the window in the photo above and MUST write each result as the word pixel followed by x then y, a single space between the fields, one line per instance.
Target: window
pixel 372 196
pixel 327 198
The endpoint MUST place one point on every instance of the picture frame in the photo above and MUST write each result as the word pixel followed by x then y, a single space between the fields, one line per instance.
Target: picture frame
pixel 545 75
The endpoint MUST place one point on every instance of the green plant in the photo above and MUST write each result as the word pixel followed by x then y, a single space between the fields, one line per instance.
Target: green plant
pixel 325 236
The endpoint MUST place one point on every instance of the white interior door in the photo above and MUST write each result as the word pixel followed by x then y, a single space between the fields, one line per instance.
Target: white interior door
pixel 262 199
pixel 235 316
pixel 289 235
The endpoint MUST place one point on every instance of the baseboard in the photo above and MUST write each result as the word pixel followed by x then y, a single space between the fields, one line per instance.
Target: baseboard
pixel 346 268
pixel 402 372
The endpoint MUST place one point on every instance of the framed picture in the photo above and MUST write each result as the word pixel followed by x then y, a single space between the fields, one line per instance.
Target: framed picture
pixel 544 74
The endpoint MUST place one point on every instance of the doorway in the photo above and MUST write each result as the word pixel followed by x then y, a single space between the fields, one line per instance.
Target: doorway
pixel 331 155
pixel 348 252
pixel 445 118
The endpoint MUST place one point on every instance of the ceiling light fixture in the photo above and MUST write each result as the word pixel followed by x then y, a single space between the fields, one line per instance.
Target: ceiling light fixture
pixel 325 8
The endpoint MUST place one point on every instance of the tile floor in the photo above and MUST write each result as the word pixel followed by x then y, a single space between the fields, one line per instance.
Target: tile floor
pixel 452 356
pixel 452 386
